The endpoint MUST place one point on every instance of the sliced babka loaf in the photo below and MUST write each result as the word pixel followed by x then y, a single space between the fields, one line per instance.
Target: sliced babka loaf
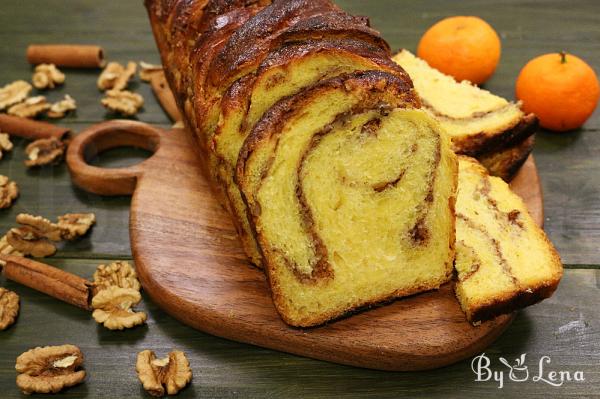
pixel 479 123
pixel 284 72
pixel 351 191
pixel 504 260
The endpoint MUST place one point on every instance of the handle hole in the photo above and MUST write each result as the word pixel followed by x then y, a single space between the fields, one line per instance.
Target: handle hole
pixel 120 157
pixel 120 148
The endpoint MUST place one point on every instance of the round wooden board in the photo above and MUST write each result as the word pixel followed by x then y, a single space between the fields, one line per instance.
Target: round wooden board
pixel 191 264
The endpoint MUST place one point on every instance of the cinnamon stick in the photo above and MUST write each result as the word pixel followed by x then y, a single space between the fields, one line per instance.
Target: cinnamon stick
pixel 66 55
pixel 48 279
pixel 164 95
pixel 30 129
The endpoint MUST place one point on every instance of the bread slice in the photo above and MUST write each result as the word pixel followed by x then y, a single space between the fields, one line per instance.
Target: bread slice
pixel 504 261
pixel 351 191
pixel 480 124
pixel 283 73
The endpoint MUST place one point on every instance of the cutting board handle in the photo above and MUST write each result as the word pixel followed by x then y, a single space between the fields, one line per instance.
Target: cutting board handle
pixel 104 136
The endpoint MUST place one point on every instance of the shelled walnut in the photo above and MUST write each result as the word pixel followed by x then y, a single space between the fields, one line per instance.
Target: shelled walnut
pixel 25 241
pixel 75 225
pixel 39 226
pixel 7 249
pixel 112 308
pixel 172 373
pixel 47 76
pixel 146 70
pixel 14 93
pixel 49 369
pixel 9 191
pixel 9 308
pixel 5 144
pixel 30 108
pixel 44 151
pixel 123 102
pixel 116 274
pixel 115 76
pixel 61 108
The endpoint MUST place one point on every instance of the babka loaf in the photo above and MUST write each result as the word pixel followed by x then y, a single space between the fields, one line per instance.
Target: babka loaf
pixel 479 123
pixel 504 261
pixel 339 184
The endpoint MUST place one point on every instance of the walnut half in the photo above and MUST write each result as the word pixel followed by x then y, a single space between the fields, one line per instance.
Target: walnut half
pixel 30 108
pixel 14 93
pixel 173 372
pixel 49 369
pixel 116 76
pixel 9 191
pixel 123 101
pixel 75 225
pixel 47 76
pixel 9 308
pixel 5 144
pixel 118 274
pixel 26 241
pixel 61 108
pixel 112 308
pixel 44 152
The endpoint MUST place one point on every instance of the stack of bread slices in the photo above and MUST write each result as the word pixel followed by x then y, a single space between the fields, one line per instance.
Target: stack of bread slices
pixel 340 171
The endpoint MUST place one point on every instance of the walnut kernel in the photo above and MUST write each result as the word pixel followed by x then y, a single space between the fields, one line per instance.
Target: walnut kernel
pixel 9 191
pixel 117 274
pixel 146 70
pixel 62 107
pixel 75 225
pixel 9 308
pixel 14 93
pixel 112 308
pixel 47 76
pixel 123 102
pixel 40 226
pixel 30 108
pixel 7 249
pixel 116 76
pixel 44 151
pixel 5 143
pixel 24 240
pixel 173 372
pixel 49 369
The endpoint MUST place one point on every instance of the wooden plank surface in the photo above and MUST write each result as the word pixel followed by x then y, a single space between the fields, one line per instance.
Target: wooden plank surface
pixel 565 327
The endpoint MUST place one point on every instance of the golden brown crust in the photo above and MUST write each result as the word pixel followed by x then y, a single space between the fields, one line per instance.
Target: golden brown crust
pixel 511 303
pixel 506 163
pixel 285 22
pixel 252 41
pixel 487 142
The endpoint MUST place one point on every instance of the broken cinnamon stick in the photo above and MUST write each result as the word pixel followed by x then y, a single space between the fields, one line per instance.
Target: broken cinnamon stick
pixel 66 55
pixel 30 129
pixel 48 279
pixel 164 95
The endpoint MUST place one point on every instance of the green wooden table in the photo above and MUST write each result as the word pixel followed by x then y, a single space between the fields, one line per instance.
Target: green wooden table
pixel 566 327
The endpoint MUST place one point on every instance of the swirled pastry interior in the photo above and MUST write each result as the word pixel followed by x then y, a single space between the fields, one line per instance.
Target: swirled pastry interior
pixel 351 191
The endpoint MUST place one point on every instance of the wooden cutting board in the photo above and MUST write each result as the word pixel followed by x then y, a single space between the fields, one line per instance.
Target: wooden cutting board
pixel 191 264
